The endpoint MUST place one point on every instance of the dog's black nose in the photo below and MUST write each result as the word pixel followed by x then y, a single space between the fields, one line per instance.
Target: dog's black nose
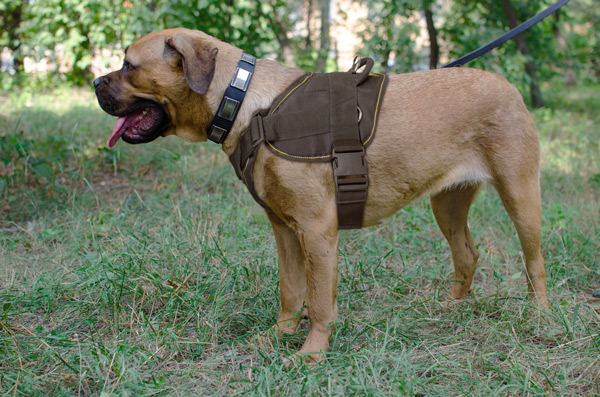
pixel 97 82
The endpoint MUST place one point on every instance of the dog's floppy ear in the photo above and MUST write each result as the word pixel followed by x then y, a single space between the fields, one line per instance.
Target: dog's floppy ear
pixel 198 61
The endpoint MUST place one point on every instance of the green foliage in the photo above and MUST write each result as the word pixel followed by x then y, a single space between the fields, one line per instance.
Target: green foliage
pixel 75 31
pixel 469 25
pixel 390 34
pixel 242 22
pixel 10 17
pixel 582 21
pixel 71 33
pixel 391 30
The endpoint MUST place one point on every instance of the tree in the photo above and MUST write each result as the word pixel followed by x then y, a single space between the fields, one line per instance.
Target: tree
pixel 580 22
pixel 72 30
pixel 570 75
pixel 11 16
pixel 534 85
pixel 241 22
pixel 524 61
pixel 325 39
pixel 260 28
pixel 434 49
pixel 391 31
pixel 297 46
pixel 389 34
pixel 281 27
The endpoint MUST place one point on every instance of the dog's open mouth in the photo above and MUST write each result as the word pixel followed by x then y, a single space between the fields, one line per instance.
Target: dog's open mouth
pixel 143 124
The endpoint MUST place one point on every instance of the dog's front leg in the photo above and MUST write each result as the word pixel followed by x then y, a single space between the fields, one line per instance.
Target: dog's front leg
pixel 301 198
pixel 292 276
pixel 308 274
pixel 319 241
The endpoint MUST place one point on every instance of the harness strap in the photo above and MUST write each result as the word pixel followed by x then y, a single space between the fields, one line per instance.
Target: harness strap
pixel 349 165
pixel 318 119
pixel 244 156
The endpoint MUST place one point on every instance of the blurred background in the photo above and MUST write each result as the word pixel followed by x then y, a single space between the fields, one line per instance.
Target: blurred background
pixel 45 42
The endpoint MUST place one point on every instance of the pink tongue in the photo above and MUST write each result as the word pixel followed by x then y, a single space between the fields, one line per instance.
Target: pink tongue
pixel 117 131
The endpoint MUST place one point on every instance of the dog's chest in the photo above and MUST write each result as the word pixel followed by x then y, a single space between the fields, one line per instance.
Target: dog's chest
pixel 317 115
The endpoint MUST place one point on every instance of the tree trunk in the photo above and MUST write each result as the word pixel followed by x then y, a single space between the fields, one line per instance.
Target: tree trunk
pixel 570 76
pixel 286 49
pixel 228 11
pixel 10 23
pixel 325 41
pixel 336 54
pixel 534 86
pixel 309 20
pixel 281 34
pixel 434 49
pixel 596 68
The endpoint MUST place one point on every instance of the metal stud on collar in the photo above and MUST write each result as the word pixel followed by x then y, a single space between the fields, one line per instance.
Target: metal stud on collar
pixel 232 99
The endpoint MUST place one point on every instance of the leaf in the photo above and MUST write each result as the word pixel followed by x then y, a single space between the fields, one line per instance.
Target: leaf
pixel 42 169
pixel 595 181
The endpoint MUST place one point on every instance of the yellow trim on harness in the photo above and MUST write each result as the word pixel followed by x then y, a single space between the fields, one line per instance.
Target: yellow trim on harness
pixel 297 157
pixel 244 171
pixel 376 109
pixel 327 156
pixel 290 93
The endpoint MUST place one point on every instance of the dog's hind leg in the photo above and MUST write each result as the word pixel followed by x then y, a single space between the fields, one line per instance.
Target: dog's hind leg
pixel 451 208
pixel 292 276
pixel 520 195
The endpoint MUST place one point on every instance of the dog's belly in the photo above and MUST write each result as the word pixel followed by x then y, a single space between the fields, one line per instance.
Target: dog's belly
pixel 389 191
pixel 436 131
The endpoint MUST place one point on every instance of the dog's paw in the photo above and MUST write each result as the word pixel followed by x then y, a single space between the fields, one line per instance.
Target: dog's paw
pixel 288 326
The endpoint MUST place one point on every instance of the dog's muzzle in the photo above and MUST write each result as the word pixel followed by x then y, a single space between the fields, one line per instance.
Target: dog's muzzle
pixel 140 122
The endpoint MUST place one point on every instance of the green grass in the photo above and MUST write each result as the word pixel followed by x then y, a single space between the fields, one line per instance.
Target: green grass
pixel 148 270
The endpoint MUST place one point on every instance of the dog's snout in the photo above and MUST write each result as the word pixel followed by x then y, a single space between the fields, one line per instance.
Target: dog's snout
pixel 98 81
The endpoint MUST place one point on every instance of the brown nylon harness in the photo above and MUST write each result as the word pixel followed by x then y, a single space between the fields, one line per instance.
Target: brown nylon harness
pixel 322 117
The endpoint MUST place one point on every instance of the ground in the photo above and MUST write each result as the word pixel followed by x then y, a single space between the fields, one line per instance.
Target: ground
pixel 148 270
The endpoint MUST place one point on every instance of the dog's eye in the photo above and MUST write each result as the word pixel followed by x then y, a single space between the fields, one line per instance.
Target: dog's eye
pixel 127 66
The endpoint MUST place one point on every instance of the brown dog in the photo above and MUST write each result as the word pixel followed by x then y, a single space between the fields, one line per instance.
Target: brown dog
pixel 440 133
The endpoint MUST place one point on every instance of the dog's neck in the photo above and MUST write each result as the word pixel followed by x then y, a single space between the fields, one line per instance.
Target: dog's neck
pixel 265 86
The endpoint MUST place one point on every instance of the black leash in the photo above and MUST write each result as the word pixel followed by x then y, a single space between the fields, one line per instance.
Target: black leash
pixel 506 36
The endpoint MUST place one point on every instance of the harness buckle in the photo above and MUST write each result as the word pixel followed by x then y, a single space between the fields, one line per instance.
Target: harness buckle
pixel 350 172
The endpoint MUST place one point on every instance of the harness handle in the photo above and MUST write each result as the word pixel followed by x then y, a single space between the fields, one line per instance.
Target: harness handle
pixel 358 63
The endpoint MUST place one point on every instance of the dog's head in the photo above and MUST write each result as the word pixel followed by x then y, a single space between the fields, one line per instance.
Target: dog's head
pixel 160 89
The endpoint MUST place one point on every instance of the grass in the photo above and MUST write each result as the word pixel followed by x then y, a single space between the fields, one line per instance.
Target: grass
pixel 148 270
